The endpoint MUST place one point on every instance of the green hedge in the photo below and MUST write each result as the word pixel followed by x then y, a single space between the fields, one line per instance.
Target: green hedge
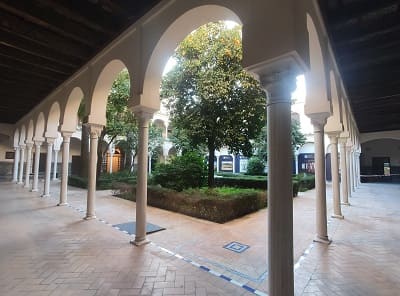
pixel 205 204
pixel 104 182
pixel 250 182
pixel 306 182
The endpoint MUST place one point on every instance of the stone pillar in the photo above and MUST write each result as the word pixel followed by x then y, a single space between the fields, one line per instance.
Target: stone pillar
pixel 49 143
pixel 343 170
pixel 348 158
pixel 280 196
pixel 358 169
pixel 21 164
pixel 319 121
pixel 28 163
pixel 94 130
pixel 354 171
pixel 141 187
pixel 36 166
pixel 55 164
pixel 111 162
pixel 16 163
pixel 296 161
pixel 65 164
pixel 337 211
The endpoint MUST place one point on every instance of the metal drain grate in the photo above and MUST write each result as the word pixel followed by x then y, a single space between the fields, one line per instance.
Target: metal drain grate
pixel 236 247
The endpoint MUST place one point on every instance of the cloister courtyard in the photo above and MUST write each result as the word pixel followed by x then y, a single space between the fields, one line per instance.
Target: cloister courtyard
pixel 51 250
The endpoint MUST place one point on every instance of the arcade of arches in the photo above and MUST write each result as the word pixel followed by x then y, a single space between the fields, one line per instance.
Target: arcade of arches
pixel 144 48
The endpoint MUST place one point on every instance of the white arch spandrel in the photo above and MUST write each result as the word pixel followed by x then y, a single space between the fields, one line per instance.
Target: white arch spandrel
pixel 53 120
pixel 39 128
pixel 165 48
pixel 16 138
pixel 98 100
pixel 317 99
pixel 70 115
pixel 22 136
pixel 29 136
pixel 334 123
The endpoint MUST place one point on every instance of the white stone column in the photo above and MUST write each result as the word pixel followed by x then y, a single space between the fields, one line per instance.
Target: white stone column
pixel 141 187
pixel 111 161
pixel 358 169
pixel 348 158
pixel 296 161
pixel 344 170
pixel 16 163
pixel 49 143
pixel 353 158
pixel 319 121
pixel 36 167
pixel 21 164
pixel 94 130
pixel 64 173
pixel 28 163
pixel 337 211
pixel 280 194
pixel 55 164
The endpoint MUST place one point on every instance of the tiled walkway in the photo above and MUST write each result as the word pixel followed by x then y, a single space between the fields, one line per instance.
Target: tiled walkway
pixel 49 250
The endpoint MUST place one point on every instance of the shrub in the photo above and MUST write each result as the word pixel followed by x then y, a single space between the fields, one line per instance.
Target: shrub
pixel 255 166
pixel 103 182
pixel 218 205
pixel 306 182
pixel 77 181
pixel 186 171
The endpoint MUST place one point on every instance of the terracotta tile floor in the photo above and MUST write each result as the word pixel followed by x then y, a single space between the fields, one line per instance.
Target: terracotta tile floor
pixel 49 250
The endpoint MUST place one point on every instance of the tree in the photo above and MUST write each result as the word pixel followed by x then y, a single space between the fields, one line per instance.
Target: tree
pixel 212 100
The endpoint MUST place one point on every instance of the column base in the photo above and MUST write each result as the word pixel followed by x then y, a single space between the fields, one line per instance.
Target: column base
pixel 62 204
pixel 322 240
pixel 345 203
pixel 20 183
pixel 45 195
pixel 337 216
pixel 27 186
pixel 140 242
pixel 89 217
pixel 34 190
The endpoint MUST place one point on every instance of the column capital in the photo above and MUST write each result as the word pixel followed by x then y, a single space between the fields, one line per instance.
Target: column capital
pixel 279 86
pixel 50 140
pixel 38 143
pixel 22 146
pixel 94 129
pixel 318 120
pixel 66 135
pixel 29 145
pixel 333 137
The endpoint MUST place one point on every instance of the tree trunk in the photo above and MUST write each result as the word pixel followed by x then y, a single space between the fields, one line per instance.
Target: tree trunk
pixel 211 156
pixel 84 166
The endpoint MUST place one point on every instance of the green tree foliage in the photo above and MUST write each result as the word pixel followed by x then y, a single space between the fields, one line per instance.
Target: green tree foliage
pixel 212 100
pixel 186 171
pixel 255 166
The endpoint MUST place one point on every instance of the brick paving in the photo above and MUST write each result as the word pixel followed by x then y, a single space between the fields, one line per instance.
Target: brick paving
pixel 49 250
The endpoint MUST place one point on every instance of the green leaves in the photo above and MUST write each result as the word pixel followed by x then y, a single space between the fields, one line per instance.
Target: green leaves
pixel 211 98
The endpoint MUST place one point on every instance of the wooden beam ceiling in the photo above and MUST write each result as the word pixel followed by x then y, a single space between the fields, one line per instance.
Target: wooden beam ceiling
pixel 43 42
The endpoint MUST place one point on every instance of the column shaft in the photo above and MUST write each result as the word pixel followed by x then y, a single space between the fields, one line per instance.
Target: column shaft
pixel 95 131
pixel 343 170
pixel 320 185
pixel 337 211
pixel 348 158
pixel 49 143
pixel 55 164
pixel 64 173
pixel 36 167
pixel 141 187
pixel 21 165
pixel 28 164
pixel 280 199
pixel 16 163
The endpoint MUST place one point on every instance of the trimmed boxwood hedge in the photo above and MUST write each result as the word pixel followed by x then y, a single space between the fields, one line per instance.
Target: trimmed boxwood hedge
pixel 103 182
pixel 214 208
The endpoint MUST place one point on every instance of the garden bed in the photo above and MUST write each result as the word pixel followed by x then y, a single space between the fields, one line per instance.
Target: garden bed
pixel 218 205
